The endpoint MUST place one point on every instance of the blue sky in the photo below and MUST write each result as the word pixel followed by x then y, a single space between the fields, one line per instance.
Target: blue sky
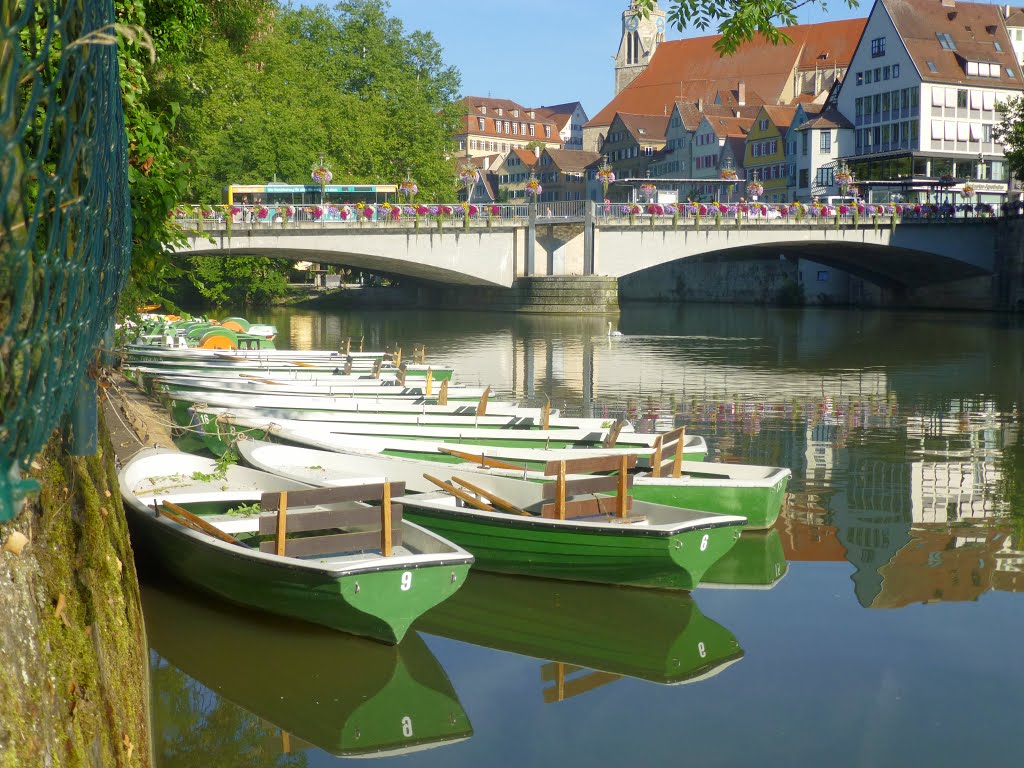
pixel 539 52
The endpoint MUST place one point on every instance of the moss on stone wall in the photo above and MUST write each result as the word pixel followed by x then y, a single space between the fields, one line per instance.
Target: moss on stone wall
pixel 73 658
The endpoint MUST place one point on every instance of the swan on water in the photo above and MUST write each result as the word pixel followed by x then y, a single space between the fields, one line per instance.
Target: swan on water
pixel 611 332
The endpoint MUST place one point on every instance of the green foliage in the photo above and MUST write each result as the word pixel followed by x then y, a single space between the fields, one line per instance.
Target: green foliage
pixel 739 21
pixel 348 82
pixel 1010 133
pixel 239 280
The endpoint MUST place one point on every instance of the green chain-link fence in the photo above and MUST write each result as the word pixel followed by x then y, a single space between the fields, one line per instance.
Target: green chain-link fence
pixel 65 226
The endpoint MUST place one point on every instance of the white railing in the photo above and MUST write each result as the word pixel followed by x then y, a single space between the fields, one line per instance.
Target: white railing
pixel 249 218
pixel 254 217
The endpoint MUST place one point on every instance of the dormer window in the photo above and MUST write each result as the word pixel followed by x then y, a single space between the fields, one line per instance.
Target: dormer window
pixel 500 112
pixel 482 109
pixel 515 113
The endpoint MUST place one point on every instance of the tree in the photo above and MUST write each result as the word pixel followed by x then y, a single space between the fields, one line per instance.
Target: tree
pixel 739 21
pixel 1010 133
pixel 347 82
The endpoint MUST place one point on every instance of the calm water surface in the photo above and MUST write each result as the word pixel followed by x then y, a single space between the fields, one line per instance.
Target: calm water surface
pixel 879 623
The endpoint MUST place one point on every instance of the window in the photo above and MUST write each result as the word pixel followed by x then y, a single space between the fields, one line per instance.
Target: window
pixel 826 141
pixel 480 120
pixel 932 67
pixel 803 178
pixel 547 131
pixel 878 74
pixel 895 71
pixel 946 41
pixel 804 141
pixel 867 77
pixel 763 124
pixel 878 47
pixel 885 73
pixel 999 48
pixel 860 78
pixel 961 99
pixel 506 126
pixel 825 177
pixel 533 129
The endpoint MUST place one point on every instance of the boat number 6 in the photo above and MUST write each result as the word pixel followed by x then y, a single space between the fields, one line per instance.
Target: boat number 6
pixel 407 727
pixel 702 650
pixel 704 543
pixel 407 581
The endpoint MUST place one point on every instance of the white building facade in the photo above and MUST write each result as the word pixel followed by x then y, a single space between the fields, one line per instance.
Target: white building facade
pixel 921 93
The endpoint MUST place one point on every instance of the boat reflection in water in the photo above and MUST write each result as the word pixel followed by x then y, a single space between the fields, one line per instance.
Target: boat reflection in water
pixel 346 695
pixel 656 635
pixel 757 561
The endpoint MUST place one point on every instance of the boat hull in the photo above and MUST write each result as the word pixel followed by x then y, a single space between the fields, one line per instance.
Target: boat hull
pixel 759 503
pixel 626 555
pixel 370 603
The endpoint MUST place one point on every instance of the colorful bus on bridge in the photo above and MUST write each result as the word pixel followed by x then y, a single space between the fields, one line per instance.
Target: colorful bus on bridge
pixel 301 197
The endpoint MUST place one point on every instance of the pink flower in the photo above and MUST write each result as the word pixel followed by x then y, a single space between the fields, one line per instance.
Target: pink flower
pixel 317 213
pixel 368 212
pixel 235 210
pixel 422 210
pixel 495 210
pixel 473 210
pixel 702 209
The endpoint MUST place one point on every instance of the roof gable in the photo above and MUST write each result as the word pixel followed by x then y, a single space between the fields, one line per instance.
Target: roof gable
pixel 689 69
pixel 974 30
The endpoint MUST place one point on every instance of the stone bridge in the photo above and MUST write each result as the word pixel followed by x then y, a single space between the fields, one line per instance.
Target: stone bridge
pixel 894 255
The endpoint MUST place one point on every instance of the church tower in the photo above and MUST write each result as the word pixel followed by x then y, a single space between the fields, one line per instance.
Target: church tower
pixel 640 37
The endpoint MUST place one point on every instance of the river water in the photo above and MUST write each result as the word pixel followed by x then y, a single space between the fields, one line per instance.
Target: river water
pixel 879 623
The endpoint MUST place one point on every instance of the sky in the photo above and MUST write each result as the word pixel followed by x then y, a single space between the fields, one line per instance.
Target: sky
pixel 539 52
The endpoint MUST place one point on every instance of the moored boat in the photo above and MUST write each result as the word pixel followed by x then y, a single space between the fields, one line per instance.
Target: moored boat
pixel 564 529
pixel 346 572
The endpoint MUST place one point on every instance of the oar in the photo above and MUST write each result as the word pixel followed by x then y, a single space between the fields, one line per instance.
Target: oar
pixel 184 517
pixel 496 500
pixel 484 461
pixel 460 494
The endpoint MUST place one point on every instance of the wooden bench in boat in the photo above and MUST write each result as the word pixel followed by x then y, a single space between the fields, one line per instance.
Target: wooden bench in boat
pixel 562 492
pixel 668 446
pixel 302 512
pixel 307 512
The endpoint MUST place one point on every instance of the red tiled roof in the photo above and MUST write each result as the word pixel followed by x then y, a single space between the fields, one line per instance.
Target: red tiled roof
pixel 730 126
pixel 831 119
pixel 526 155
pixel 650 128
pixel 685 70
pixel 974 28
pixel 572 159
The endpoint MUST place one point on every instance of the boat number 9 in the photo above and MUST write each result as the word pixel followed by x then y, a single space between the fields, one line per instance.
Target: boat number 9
pixel 702 650
pixel 407 581
pixel 704 542
pixel 407 727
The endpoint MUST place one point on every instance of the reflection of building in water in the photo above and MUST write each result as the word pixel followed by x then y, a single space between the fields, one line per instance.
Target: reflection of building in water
pixel 947 491
pixel 940 566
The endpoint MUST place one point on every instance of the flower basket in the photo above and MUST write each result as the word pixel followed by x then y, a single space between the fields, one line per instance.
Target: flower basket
pixel 533 189
pixel 606 176
pixel 755 189
pixel 409 189
pixel 647 191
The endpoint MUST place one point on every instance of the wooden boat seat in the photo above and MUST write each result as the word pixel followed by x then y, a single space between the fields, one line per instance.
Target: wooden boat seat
pixel 580 497
pixel 668 445
pixel 319 514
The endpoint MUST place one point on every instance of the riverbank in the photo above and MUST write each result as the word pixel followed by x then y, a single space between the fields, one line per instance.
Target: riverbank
pixel 73 658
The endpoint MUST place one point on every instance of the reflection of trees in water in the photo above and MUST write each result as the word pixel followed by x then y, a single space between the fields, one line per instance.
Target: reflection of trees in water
pixel 193 727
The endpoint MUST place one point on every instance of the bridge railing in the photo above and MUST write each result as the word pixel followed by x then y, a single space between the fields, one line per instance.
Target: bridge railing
pixel 256 217
pixel 249 217
pixel 703 214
